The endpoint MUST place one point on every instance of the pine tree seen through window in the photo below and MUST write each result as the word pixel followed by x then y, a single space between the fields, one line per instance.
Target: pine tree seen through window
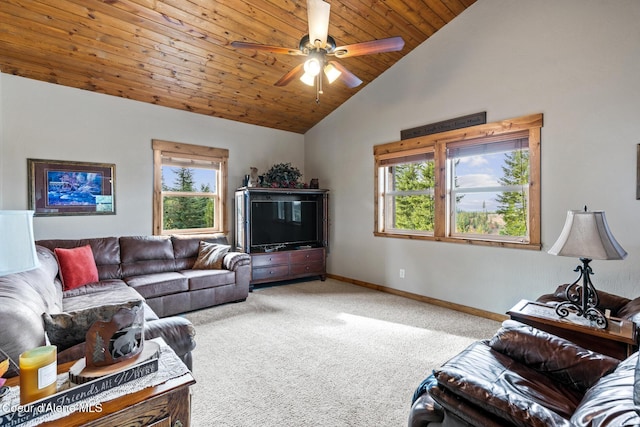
pixel 190 202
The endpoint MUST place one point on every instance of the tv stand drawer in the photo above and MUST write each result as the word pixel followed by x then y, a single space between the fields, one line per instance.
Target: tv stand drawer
pixel 277 272
pixel 269 259
pixel 309 268
pixel 287 265
pixel 307 255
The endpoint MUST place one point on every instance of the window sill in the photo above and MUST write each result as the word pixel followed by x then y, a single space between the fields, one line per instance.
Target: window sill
pixel 465 240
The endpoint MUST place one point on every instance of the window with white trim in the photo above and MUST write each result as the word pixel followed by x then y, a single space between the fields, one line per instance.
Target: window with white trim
pixel 189 188
pixel 479 184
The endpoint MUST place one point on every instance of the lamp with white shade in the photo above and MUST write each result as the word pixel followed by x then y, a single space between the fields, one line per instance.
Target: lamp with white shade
pixel 585 235
pixel 17 249
pixel 17 245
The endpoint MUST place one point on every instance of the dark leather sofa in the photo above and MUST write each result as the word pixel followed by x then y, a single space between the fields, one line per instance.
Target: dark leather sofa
pixel 27 298
pixel 526 377
pixel 154 271
pixel 160 269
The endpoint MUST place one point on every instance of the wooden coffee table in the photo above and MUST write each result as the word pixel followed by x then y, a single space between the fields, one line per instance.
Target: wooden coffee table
pixel 165 405
pixel 618 340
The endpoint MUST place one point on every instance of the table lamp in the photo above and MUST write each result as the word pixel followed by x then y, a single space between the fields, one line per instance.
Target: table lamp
pixel 17 249
pixel 585 235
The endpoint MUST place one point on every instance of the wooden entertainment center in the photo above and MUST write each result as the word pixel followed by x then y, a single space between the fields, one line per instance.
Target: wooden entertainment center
pixel 284 230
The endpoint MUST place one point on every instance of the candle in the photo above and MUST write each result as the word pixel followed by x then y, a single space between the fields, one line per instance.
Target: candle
pixel 38 373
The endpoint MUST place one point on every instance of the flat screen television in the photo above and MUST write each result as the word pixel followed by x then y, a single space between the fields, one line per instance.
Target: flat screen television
pixel 284 222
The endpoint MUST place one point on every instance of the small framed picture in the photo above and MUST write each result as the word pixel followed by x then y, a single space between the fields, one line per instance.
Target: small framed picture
pixel 59 187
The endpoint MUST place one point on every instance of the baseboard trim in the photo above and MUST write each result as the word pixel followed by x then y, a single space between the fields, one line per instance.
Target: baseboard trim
pixel 441 303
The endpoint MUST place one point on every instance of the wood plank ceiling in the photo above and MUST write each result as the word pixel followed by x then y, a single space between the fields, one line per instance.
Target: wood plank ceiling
pixel 176 53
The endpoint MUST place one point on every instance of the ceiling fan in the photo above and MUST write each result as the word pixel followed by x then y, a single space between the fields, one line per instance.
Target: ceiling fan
pixel 318 45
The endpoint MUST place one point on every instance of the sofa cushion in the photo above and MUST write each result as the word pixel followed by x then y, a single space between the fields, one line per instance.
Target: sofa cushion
pixel 106 252
pixel 185 248
pixel 159 284
pixel 146 255
pixel 104 292
pixel 77 266
pixel 203 279
pixel 210 256
pixel 70 328
pixel 610 401
pixel 507 388
pixel 563 360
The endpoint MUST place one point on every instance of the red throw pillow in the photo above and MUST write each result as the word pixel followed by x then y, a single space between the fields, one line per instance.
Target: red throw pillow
pixel 77 266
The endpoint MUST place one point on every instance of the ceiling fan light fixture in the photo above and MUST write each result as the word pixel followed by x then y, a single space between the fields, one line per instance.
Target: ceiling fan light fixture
pixel 332 73
pixel 308 79
pixel 318 17
pixel 317 45
pixel 312 66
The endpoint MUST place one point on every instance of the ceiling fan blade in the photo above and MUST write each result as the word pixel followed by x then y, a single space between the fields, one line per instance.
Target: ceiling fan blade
pixel 318 16
pixel 287 78
pixel 391 44
pixel 347 76
pixel 264 47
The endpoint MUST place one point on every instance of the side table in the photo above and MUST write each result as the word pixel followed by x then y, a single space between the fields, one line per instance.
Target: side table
pixel 618 340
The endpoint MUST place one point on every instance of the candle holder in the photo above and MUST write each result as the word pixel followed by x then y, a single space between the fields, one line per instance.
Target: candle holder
pixel 38 373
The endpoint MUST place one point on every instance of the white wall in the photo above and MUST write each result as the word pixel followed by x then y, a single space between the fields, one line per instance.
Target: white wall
pixel 575 61
pixel 47 121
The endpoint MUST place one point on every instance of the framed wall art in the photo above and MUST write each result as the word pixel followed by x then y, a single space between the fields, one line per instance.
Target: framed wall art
pixel 59 187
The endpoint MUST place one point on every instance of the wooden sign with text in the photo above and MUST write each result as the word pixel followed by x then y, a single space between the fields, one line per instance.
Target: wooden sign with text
pixel 451 124
pixel 72 399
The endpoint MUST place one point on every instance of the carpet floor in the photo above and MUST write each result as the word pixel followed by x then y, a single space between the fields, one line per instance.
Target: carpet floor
pixel 320 354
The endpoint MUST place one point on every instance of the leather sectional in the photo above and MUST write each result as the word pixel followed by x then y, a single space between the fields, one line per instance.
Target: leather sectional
pixel 160 269
pixel 155 271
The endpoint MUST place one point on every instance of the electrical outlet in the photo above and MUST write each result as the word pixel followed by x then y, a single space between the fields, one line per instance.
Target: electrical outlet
pixel 402 273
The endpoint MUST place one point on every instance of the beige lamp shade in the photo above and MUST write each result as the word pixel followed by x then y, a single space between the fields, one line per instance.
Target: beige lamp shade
pixel 587 235
pixel 17 246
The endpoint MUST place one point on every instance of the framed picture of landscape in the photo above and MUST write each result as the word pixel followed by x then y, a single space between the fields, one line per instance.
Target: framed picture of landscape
pixel 59 187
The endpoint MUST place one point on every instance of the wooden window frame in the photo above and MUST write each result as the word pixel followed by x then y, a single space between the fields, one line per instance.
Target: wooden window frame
pixel 438 143
pixel 197 152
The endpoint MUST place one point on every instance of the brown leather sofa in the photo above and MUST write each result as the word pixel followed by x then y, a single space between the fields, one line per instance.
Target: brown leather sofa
pixel 27 298
pixel 160 269
pixel 527 377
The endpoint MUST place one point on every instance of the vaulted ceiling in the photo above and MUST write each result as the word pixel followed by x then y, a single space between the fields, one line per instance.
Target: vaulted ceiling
pixel 177 53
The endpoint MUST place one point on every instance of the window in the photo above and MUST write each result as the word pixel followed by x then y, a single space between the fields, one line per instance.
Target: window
pixel 189 188
pixel 478 184
pixel 408 195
